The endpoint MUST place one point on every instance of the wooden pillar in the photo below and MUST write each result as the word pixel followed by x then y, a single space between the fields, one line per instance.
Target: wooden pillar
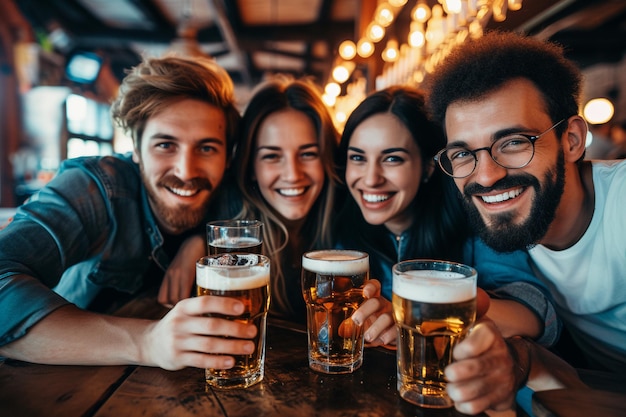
pixel 13 28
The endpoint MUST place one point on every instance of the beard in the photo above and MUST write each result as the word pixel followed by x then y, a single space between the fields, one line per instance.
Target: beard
pixel 502 234
pixel 180 217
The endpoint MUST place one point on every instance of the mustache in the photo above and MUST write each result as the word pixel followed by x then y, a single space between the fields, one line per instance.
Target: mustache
pixel 195 183
pixel 510 181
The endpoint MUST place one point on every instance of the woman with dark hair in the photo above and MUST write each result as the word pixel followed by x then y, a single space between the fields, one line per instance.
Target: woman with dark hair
pixel 403 208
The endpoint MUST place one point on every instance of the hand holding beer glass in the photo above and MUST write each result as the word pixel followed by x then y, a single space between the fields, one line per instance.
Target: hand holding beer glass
pixel 434 306
pixel 332 285
pixel 245 277
pixel 225 236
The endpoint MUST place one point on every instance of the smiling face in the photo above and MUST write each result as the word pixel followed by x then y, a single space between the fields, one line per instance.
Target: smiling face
pixel 287 163
pixel 510 208
pixel 182 160
pixel 384 171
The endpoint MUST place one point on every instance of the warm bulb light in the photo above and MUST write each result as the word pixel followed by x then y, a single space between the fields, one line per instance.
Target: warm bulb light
pixel 515 5
pixel 375 32
pixel 452 6
pixel 598 111
pixel 341 74
pixel 390 54
pixel 328 100
pixel 397 3
pixel 384 15
pixel 421 12
pixel 332 89
pixel 365 48
pixel 417 39
pixel 347 50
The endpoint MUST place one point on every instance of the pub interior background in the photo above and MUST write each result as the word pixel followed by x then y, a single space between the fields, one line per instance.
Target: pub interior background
pixel 61 61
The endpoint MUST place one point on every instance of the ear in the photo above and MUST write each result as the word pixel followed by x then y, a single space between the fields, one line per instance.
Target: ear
pixel 136 158
pixel 575 138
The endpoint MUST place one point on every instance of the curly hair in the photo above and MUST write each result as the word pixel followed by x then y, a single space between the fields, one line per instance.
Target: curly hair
pixel 154 84
pixel 479 66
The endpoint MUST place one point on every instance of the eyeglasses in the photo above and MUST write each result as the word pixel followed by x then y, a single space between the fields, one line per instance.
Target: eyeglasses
pixel 512 151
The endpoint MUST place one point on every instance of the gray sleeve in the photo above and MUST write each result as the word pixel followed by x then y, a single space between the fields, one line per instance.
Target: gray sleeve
pixel 533 298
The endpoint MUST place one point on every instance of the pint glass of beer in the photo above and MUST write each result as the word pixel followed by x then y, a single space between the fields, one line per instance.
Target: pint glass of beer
pixel 434 305
pixel 332 285
pixel 225 236
pixel 245 277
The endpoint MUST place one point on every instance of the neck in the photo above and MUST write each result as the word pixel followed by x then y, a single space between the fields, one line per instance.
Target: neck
pixel 575 210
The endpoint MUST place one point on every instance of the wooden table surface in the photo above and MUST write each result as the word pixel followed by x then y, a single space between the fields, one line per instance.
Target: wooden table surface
pixel 289 388
pixel 605 397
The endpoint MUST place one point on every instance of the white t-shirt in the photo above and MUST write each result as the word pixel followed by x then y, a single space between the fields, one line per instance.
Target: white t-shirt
pixel 588 280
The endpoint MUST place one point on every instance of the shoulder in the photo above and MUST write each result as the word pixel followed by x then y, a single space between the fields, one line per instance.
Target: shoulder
pixel 113 174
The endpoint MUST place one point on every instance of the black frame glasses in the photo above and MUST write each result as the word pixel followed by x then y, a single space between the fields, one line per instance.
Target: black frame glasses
pixel 511 152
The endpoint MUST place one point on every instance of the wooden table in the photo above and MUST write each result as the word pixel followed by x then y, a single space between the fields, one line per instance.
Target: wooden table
pixel 605 397
pixel 289 388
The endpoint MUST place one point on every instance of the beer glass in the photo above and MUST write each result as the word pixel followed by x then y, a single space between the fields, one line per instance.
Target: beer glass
pixel 245 277
pixel 434 305
pixel 225 236
pixel 332 285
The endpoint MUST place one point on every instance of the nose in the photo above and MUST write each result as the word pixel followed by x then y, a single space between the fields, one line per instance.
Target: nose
pixel 185 166
pixel 372 175
pixel 487 171
pixel 292 170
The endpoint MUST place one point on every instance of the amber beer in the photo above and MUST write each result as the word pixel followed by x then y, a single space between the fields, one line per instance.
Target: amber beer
pixel 227 236
pixel 332 285
pixel 245 277
pixel 230 245
pixel 434 305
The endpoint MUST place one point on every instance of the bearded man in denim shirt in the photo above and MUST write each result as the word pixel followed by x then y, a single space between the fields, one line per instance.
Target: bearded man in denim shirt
pixel 114 222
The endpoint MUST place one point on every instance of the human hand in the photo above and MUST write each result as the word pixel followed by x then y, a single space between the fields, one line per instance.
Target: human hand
pixel 483 375
pixel 186 337
pixel 376 316
pixel 180 277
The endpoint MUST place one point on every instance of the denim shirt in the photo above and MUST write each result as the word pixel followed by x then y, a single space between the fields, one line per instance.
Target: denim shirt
pixel 90 227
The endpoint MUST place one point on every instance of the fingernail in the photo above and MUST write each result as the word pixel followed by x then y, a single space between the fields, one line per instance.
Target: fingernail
pixel 238 307
pixel 229 363
pixel 356 321
pixel 249 347
pixel 368 337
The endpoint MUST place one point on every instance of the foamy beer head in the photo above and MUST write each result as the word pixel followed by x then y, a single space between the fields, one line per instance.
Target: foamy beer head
pixel 435 286
pixel 336 262
pixel 232 272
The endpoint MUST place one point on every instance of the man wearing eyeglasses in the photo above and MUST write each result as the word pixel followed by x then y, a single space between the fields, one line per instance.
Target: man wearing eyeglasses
pixel 515 148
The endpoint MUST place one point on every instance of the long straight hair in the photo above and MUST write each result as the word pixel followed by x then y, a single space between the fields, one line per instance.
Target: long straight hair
pixel 439 229
pixel 271 97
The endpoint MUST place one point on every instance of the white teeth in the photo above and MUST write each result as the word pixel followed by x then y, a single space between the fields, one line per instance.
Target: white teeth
pixel 183 193
pixel 501 197
pixel 375 198
pixel 291 192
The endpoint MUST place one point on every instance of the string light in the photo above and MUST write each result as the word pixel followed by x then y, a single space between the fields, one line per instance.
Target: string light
pixel 347 50
pixel 365 48
pixel 390 54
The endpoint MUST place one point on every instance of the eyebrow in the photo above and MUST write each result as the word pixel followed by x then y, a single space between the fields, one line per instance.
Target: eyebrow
pixel 165 136
pixel 384 151
pixel 278 148
pixel 498 135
